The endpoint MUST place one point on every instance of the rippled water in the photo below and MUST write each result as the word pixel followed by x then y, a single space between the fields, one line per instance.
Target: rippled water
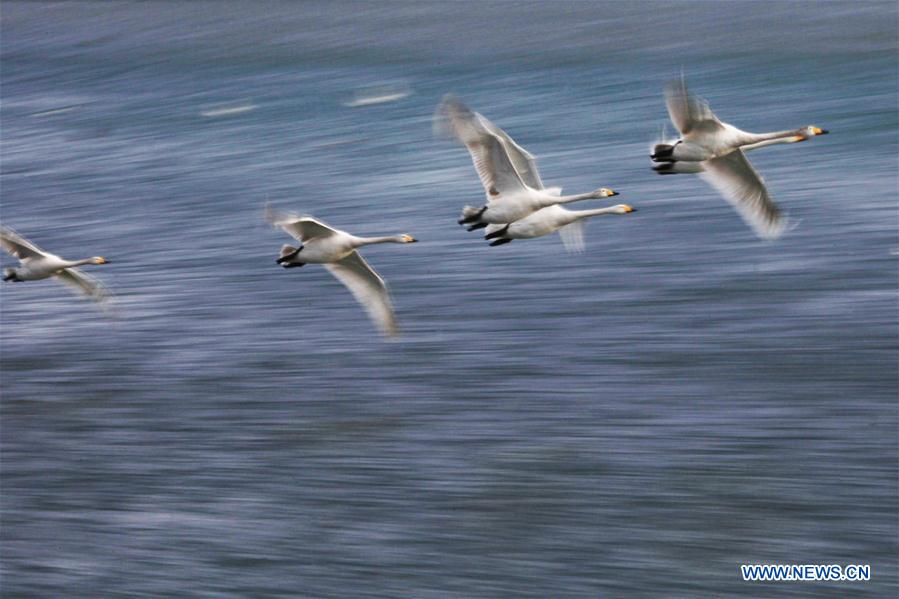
pixel 640 419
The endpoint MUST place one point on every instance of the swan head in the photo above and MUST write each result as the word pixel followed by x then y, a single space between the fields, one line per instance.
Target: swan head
pixel 604 192
pixel 407 239
pixel 623 209
pixel 99 260
pixel 809 132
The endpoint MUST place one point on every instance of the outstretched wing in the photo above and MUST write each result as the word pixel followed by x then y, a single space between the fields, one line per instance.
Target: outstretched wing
pixel 572 236
pixel 689 113
pixel 18 246
pixel 523 161
pixel 488 150
pixel 303 228
pixel 86 285
pixel 735 178
pixel 368 288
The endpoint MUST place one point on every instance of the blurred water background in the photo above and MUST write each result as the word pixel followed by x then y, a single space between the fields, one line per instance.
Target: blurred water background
pixel 637 420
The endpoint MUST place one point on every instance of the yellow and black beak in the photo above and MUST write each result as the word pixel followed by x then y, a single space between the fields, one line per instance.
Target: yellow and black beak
pixel 819 131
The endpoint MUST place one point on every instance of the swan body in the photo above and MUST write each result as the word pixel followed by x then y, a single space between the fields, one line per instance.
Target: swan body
pixel 548 220
pixel 36 264
pixel 716 151
pixel 507 171
pixel 679 167
pixel 336 250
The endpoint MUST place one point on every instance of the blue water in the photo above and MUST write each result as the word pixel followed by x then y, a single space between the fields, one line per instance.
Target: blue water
pixel 638 420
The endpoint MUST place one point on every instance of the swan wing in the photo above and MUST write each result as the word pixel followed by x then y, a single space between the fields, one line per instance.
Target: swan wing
pixel 368 288
pixel 488 151
pixel 523 161
pixel 689 113
pixel 573 237
pixel 302 228
pixel 18 246
pixel 734 177
pixel 86 285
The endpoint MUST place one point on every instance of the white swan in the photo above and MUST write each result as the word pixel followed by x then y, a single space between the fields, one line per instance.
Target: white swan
pixel 681 167
pixel 507 171
pixel 548 220
pixel 36 264
pixel 716 151
pixel 336 250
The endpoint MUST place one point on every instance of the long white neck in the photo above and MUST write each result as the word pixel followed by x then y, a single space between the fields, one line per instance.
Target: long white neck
pixel 71 263
pixel 770 142
pixel 759 140
pixel 573 215
pixel 555 199
pixel 360 241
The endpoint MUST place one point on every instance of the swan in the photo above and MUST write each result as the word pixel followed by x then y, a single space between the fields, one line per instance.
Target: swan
pixel 717 153
pixel 507 171
pixel 683 167
pixel 548 220
pixel 336 250
pixel 36 264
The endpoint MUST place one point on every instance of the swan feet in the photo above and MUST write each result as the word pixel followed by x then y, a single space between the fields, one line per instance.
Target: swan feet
pixel 500 241
pixel 289 256
pixel 497 233
pixel 470 215
pixel 666 168
pixel 476 226
pixel 663 152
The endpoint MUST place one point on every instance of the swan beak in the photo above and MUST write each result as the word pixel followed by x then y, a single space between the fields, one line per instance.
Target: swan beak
pixel 102 261
pixel 628 209
pixel 818 131
pixel 409 239
pixel 613 193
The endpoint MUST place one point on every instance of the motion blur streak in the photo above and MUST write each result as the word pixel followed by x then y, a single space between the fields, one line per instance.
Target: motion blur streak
pixel 640 419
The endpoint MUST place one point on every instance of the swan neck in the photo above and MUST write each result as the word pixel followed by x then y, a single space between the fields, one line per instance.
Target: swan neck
pixel 572 198
pixel 769 138
pixel 579 214
pixel 360 241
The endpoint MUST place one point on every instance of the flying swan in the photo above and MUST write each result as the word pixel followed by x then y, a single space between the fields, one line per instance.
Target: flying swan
pixel 569 224
pixel 36 264
pixel 716 151
pixel 507 171
pixel 336 250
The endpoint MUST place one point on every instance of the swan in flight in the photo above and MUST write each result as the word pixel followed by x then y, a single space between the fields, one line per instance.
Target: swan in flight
pixel 336 250
pixel 548 220
pixel 716 151
pixel 36 264
pixel 507 171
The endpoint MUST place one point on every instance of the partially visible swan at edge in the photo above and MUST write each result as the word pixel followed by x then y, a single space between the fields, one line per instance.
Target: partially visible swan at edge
pixel 715 150
pixel 507 171
pixel 336 250
pixel 36 264
pixel 548 220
